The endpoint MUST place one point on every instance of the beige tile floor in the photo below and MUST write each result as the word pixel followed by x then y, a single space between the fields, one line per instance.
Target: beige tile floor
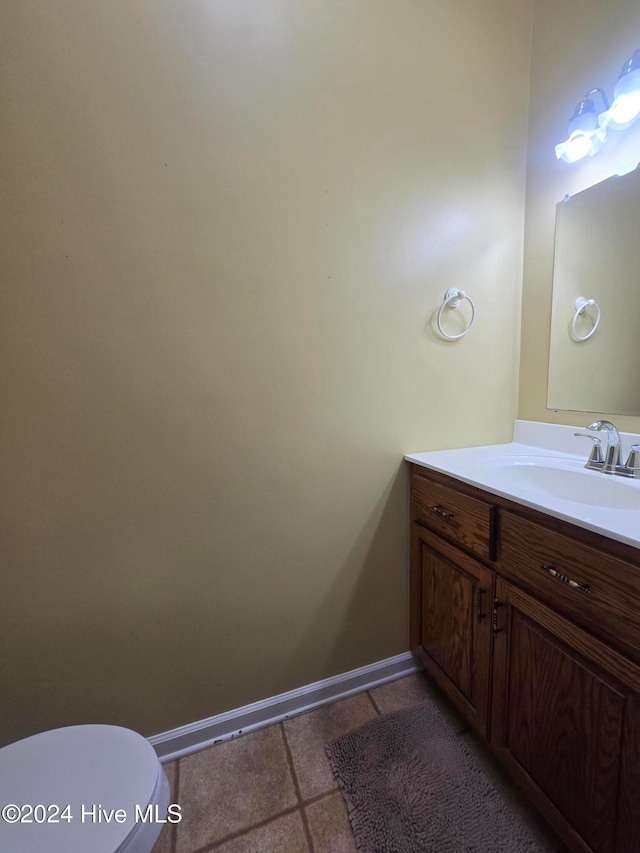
pixel 272 791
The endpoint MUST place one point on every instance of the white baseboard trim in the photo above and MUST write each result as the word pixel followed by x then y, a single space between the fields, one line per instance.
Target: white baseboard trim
pixel 193 737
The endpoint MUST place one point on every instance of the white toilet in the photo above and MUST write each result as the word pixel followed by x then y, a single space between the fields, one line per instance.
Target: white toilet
pixel 94 770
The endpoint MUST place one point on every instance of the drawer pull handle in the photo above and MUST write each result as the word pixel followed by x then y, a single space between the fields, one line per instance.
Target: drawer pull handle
pixel 442 512
pixel 496 605
pixel 481 615
pixel 551 569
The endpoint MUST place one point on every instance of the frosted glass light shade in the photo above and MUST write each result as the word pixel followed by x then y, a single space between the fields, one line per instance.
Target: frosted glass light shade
pixel 580 144
pixel 585 137
pixel 625 108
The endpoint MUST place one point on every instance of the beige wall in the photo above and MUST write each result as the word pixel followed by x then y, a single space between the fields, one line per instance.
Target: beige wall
pixel 577 45
pixel 226 227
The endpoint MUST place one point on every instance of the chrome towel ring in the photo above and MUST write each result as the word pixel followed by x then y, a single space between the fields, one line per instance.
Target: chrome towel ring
pixel 452 298
pixel 581 304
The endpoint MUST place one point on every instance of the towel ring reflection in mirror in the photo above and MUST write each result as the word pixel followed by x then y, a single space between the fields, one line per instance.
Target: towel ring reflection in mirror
pixel 581 304
pixel 452 298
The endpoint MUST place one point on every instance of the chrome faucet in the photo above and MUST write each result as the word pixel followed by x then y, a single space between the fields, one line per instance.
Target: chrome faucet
pixel 611 463
pixel 612 457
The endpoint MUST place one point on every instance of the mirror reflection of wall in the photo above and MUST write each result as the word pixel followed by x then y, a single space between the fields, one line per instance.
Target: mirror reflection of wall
pixel 597 255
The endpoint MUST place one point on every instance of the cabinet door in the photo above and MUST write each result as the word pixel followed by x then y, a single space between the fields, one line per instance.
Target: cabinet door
pixel 565 723
pixel 452 630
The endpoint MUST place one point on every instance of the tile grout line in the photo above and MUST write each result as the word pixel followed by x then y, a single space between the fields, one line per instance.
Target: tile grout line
pixel 214 845
pixel 296 785
pixel 316 799
pixel 373 702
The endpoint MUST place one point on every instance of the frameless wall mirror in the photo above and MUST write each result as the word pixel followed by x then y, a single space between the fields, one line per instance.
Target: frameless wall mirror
pixel 597 257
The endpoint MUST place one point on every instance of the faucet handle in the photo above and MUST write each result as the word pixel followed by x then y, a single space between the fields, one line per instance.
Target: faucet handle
pixel 633 461
pixel 595 457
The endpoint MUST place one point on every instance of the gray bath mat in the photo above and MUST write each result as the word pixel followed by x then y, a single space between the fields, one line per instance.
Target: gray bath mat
pixel 410 784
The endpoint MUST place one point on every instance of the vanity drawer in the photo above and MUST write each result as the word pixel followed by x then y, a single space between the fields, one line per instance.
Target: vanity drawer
pixel 466 520
pixel 600 591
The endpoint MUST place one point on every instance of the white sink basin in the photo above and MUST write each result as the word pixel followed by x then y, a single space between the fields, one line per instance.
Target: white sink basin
pixel 545 472
pixel 565 479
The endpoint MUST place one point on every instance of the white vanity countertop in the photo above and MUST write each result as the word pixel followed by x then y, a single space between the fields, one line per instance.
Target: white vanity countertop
pixel 548 446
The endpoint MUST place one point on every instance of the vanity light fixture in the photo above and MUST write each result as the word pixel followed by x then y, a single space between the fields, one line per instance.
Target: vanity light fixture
pixel 625 108
pixel 586 137
pixel 588 130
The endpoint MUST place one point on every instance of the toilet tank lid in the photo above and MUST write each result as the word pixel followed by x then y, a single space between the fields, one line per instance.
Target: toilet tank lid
pixel 94 770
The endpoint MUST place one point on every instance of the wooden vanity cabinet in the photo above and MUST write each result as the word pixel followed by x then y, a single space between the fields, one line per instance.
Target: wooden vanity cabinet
pixel 452 593
pixel 532 628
